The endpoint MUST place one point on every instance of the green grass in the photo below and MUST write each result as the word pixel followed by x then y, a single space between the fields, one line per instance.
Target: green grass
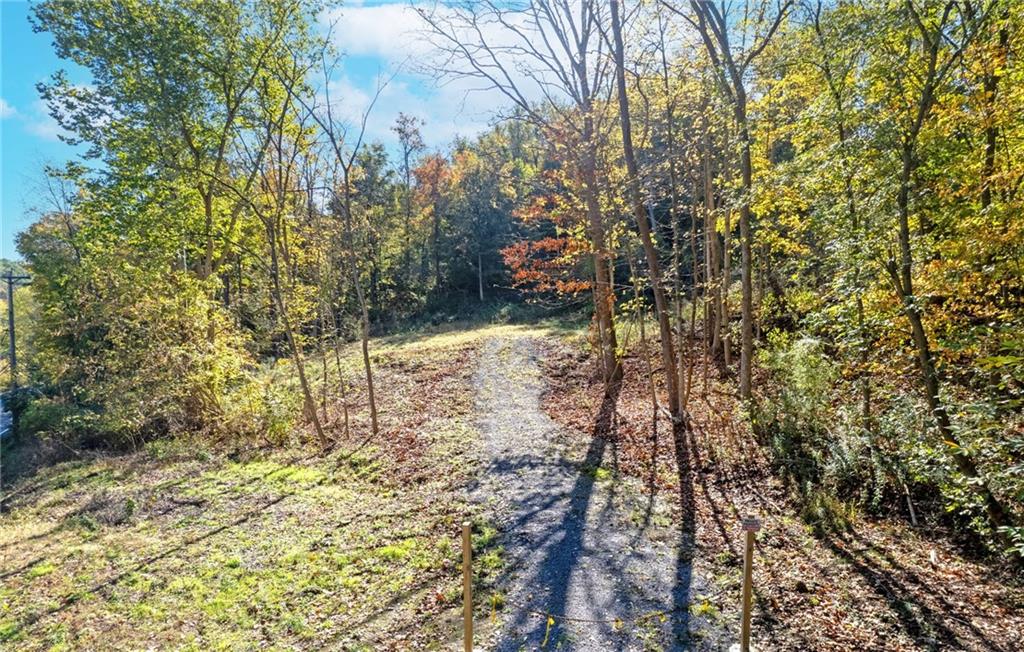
pixel 599 473
pixel 41 569
pixel 184 546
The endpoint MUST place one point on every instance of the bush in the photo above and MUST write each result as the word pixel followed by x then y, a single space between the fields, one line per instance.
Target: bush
pixel 809 417
pixel 262 407
pixel 793 415
pixel 816 442
pixel 47 415
pixel 127 353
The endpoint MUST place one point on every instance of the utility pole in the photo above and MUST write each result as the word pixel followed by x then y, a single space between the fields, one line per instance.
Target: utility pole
pixel 12 352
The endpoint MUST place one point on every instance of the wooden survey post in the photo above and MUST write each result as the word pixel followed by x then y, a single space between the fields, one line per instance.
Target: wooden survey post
pixel 467 587
pixel 750 526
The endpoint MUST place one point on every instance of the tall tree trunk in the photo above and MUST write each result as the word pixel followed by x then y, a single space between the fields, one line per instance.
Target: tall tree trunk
pixel 726 320
pixel 746 260
pixel 685 377
pixel 207 268
pixel 300 367
pixel 668 352
pixel 902 279
pixel 480 274
pixel 713 291
pixel 324 380
pixel 342 385
pixel 694 283
pixel 207 264
pixel 364 330
pixel 710 327
pixel 604 294
pixel 436 243
pixel 238 277
pixel 990 86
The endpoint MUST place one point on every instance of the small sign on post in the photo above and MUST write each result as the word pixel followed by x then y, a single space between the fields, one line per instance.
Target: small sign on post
pixel 467 587
pixel 750 526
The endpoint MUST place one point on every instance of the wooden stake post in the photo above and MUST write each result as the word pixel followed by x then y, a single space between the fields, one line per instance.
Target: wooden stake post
pixel 467 587
pixel 750 526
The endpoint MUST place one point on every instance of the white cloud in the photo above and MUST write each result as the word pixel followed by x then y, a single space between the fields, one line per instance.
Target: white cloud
pixel 388 31
pixel 42 124
pixel 395 35
pixel 45 128
pixel 6 110
pixel 440 109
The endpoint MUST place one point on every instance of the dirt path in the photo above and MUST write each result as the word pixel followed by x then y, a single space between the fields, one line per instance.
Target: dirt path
pixel 579 544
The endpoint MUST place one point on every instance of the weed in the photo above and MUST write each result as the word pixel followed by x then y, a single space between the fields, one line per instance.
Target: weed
pixel 396 552
pixel 41 569
pixel 10 630
pixel 704 609
pixel 598 473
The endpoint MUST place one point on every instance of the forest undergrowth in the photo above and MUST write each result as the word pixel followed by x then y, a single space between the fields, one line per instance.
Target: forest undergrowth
pixel 823 580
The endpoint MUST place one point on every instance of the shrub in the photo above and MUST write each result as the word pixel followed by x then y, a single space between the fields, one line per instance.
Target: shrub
pixel 816 442
pixel 47 415
pixel 794 413
pixel 127 352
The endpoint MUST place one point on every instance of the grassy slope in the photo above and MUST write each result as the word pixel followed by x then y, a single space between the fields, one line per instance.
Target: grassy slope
pixel 178 547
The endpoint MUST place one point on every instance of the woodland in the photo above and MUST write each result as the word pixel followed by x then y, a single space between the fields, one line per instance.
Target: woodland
pixel 787 235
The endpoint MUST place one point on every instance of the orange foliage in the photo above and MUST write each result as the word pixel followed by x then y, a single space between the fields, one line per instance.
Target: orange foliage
pixel 545 265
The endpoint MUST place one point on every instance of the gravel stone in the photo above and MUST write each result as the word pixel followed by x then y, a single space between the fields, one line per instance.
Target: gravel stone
pixel 571 547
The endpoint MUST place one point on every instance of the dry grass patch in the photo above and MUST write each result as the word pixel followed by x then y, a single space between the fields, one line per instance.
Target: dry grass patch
pixel 182 547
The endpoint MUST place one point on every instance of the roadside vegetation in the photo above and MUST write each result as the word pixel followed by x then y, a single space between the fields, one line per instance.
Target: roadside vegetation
pixel 829 574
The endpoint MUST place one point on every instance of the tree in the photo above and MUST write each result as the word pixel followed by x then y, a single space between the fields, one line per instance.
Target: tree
pixel 433 178
pixel 487 180
pixel 932 44
pixel 146 107
pixel 668 351
pixel 279 158
pixel 559 92
pixel 731 64
pixel 346 146
pixel 407 129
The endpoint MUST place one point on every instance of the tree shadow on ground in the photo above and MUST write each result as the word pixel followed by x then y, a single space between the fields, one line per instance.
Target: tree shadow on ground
pixel 581 564
pixel 685 453
pixel 921 610
pixel 562 558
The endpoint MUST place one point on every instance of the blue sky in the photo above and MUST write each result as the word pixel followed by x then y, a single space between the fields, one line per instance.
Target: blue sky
pixel 28 136
pixel 378 37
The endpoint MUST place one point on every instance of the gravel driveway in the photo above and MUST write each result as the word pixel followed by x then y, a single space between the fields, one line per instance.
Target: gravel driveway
pixel 579 543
